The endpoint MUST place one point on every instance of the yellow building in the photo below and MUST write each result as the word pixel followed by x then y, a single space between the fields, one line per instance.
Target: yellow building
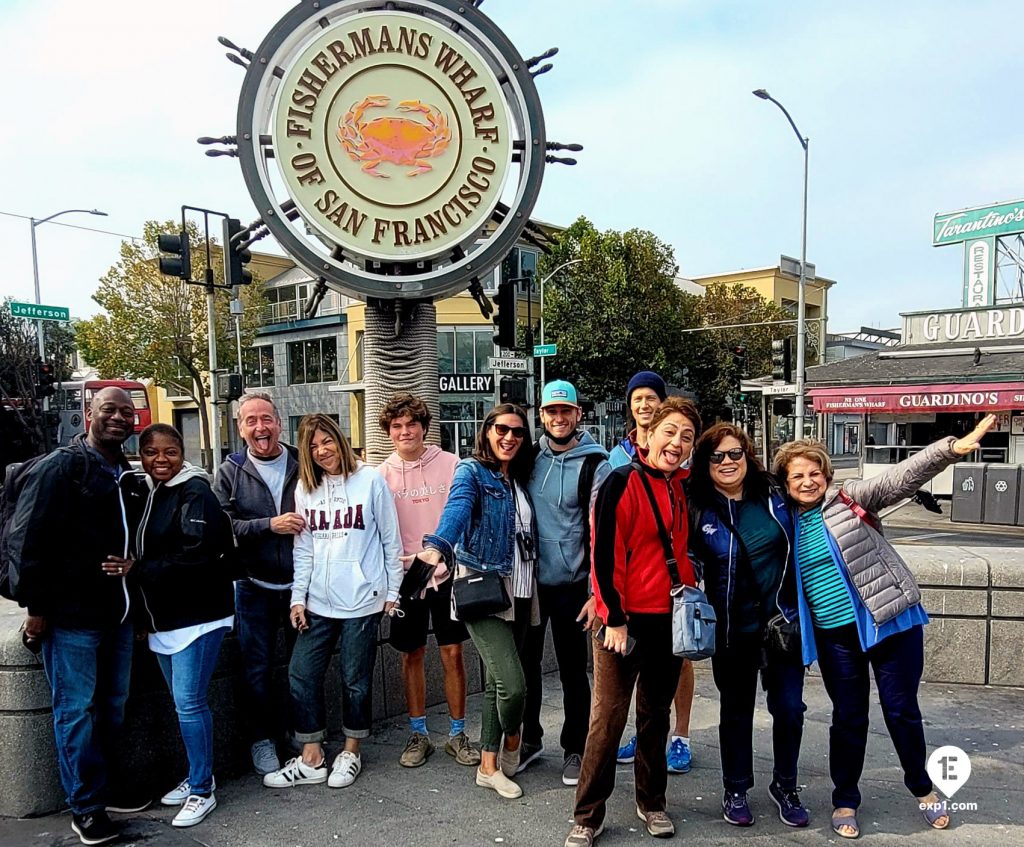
pixel 779 284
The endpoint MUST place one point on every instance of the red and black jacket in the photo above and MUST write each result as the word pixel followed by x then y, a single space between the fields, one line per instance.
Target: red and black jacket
pixel 629 573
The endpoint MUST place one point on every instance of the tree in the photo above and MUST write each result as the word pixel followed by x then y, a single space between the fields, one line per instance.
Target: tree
pixel 23 430
pixel 713 371
pixel 617 312
pixel 155 325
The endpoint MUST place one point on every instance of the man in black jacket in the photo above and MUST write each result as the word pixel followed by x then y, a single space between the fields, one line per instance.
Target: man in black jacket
pixel 257 489
pixel 71 547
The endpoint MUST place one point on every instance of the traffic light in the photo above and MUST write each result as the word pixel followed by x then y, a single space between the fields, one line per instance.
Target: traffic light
pixel 782 407
pixel 512 389
pixel 235 260
pixel 739 360
pixel 229 387
pixel 46 376
pixel 179 261
pixel 505 321
pixel 510 265
pixel 782 359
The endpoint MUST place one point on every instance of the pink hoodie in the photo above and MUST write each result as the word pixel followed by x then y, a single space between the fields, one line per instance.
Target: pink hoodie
pixel 420 490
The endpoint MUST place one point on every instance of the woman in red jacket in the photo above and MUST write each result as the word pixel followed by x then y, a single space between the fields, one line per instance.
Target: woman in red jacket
pixel 634 647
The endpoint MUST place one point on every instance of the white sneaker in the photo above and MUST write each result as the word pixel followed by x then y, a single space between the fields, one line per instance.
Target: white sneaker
pixel 346 768
pixel 178 795
pixel 264 757
pixel 296 772
pixel 195 810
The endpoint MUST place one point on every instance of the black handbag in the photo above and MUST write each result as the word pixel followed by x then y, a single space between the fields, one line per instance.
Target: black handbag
pixel 783 636
pixel 478 595
pixel 415 580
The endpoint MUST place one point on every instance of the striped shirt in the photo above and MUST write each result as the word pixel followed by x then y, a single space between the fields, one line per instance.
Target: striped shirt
pixel 823 584
pixel 522 569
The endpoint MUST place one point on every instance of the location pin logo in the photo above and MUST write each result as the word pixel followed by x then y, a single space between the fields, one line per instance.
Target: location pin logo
pixel 950 768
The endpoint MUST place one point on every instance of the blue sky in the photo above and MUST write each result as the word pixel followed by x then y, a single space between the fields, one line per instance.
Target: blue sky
pixel 912 108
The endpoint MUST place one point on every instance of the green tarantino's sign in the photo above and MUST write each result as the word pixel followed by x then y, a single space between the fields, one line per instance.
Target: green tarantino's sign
pixel 969 224
pixel 40 313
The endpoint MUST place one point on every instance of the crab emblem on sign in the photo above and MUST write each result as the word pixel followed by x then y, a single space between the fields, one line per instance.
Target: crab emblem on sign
pixel 400 141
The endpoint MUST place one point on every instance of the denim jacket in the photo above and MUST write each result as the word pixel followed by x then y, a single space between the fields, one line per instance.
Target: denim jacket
pixel 478 523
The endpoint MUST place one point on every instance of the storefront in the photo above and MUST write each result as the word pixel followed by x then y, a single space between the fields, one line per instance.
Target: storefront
pixel 954 367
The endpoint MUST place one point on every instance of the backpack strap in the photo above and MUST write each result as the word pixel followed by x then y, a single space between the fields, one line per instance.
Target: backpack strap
pixel 584 489
pixel 663 533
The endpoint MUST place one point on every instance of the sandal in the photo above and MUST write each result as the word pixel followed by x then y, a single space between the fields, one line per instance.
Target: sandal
pixel 845 819
pixel 933 811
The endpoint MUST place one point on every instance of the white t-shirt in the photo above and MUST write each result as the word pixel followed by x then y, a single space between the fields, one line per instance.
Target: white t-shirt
pixel 522 569
pixel 273 472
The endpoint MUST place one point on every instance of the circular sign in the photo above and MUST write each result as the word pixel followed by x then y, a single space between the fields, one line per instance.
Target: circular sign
pixel 394 152
pixel 392 136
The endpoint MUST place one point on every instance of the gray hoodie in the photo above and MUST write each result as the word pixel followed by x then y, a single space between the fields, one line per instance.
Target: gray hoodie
pixel 561 518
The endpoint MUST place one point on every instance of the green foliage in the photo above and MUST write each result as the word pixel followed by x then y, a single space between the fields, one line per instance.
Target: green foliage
pixel 620 311
pixel 155 325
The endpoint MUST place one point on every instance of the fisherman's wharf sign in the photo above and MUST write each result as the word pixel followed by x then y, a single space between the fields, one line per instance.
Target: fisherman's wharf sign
pixel 394 149
pixel 392 136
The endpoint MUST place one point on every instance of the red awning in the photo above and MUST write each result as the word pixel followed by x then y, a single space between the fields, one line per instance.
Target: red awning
pixel 962 397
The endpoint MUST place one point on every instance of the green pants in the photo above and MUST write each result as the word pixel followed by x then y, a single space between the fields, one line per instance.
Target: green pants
pixel 499 644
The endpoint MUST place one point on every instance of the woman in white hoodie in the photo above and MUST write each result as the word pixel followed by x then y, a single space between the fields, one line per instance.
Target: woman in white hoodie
pixel 347 573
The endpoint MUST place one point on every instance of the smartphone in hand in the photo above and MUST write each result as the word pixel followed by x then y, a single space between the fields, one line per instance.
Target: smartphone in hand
pixel 630 640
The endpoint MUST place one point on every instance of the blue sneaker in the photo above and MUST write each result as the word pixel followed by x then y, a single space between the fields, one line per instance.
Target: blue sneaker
pixel 627 752
pixel 679 758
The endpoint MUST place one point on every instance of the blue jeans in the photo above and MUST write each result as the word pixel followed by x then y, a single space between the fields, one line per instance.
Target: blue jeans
pixel 259 614
pixel 735 667
pixel 357 653
pixel 188 673
pixel 898 662
pixel 88 671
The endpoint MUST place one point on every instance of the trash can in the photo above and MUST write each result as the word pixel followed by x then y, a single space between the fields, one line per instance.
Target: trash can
pixel 968 493
pixel 1002 489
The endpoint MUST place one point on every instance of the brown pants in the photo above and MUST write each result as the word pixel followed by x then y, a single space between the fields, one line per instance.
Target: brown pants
pixel 654 671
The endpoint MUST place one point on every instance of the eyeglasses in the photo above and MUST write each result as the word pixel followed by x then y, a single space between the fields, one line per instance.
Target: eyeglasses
pixel 735 454
pixel 504 429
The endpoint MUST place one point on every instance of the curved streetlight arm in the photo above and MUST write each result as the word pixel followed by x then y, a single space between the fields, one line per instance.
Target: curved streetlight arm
pixel 764 95
pixel 37 221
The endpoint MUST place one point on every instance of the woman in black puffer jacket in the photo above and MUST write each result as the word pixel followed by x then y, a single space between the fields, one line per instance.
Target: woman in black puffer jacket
pixel 184 576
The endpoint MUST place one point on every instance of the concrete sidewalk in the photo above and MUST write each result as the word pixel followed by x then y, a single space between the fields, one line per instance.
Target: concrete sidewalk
pixel 438 804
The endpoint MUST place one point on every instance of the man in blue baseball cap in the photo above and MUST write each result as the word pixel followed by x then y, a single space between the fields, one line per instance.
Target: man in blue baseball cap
pixel 569 468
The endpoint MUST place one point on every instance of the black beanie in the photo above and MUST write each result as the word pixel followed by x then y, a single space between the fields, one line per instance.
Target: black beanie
pixel 646 379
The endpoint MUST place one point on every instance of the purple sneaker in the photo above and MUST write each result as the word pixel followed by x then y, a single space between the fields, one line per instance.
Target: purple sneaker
pixel 736 809
pixel 791 812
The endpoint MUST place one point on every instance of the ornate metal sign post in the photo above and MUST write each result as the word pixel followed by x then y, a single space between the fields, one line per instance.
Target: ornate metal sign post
pixel 395 150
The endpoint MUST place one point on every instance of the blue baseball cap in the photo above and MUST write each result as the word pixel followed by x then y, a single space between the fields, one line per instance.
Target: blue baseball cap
pixel 559 393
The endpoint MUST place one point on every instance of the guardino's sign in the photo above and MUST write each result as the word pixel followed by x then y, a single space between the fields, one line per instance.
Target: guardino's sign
pixel 918 398
pixel 392 136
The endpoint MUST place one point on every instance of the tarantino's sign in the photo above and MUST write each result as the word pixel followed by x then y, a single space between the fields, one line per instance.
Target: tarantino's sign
pixel 392 135
pixel 919 398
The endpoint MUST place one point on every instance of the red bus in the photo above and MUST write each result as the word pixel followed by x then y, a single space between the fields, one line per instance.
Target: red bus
pixel 72 399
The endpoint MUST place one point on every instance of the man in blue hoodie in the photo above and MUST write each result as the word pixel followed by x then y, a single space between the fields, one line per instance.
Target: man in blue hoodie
pixel 569 468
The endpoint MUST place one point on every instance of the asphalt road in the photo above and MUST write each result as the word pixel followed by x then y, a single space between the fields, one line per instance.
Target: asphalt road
pixel 968 536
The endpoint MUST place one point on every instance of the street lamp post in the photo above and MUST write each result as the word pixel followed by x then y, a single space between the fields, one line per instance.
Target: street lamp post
pixel 34 222
pixel 801 325
pixel 545 279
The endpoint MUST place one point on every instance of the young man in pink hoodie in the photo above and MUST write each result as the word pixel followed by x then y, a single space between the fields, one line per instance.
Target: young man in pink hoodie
pixel 420 476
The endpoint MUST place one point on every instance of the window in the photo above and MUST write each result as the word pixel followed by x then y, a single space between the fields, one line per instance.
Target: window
pixel 258 366
pixel 315 360
pixel 293 427
pixel 460 419
pixel 464 351
pixel 288 302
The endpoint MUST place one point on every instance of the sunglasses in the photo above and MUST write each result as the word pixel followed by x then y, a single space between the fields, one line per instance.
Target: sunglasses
pixel 735 454
pixel 504 429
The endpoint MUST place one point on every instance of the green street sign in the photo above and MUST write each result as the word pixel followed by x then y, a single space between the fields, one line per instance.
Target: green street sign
pixel 545 349
pixel 40 313
pixel 968 224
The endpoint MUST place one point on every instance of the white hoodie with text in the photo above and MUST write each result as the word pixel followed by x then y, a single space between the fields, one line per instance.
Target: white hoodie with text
pixel 346 557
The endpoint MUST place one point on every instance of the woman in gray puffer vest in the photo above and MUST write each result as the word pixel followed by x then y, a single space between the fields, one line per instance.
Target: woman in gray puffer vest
pixel 860 607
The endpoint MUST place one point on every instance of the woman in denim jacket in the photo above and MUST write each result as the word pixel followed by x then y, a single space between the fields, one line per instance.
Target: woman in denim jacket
pixel 487 525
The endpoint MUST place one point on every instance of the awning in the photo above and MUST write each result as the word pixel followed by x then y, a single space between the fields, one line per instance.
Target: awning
pixel 962 397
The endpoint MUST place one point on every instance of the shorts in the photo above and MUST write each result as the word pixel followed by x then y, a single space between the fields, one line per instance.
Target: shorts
pixel 409 633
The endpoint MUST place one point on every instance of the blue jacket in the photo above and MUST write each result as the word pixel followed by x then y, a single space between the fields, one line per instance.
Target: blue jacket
pixel 477 527
pixel 624 452
pixel 714 546
pixel 561 518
